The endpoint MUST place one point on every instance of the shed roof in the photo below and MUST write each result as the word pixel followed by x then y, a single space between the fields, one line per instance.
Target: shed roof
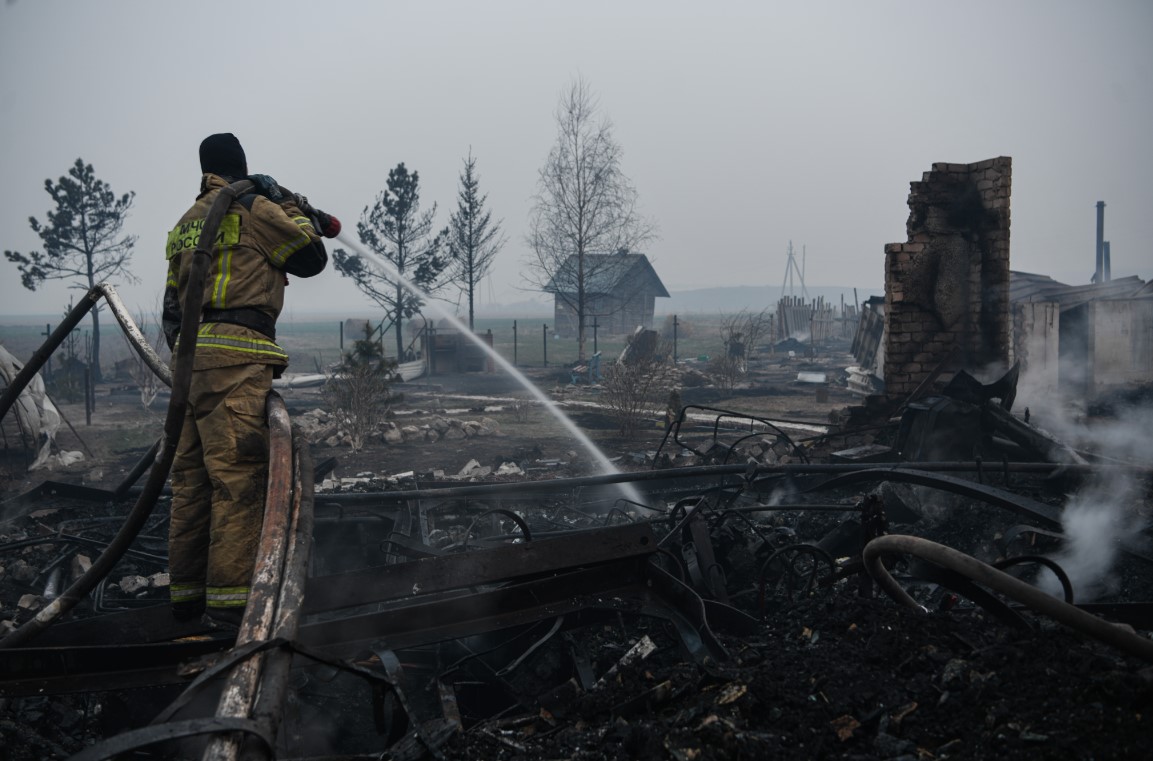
pixel 1027 286
pixel 606 274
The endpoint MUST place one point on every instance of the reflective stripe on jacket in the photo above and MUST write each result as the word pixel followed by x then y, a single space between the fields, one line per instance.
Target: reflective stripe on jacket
pixel 257 242
pixel 239 342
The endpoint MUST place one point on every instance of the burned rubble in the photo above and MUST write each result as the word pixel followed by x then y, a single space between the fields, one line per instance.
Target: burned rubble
pixel 558 620
pixel 321 429
pixel 928 575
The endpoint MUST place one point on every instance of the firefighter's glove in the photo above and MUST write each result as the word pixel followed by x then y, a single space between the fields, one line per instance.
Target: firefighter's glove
pixel 329 225
pixel 267 187
pixel 302 203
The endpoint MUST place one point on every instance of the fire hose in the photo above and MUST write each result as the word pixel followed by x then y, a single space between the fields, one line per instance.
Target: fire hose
pixel 179 380
pixel 1113 634
pixel 173 421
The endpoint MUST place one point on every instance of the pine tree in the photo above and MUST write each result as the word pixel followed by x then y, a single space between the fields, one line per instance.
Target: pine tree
pixel 397 230
pixel 474 239
pixel 82 239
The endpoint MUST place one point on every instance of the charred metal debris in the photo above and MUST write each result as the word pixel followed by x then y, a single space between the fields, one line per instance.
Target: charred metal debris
pixel 398 620
pixel 442 609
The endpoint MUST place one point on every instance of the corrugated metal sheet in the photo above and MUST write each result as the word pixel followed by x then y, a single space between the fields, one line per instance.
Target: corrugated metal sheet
pixel 1026 286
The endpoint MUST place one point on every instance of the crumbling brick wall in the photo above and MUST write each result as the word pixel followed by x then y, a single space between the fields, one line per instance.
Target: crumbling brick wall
pixel 947 288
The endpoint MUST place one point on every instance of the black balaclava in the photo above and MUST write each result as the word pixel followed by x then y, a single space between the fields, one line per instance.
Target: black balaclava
pixel 221 154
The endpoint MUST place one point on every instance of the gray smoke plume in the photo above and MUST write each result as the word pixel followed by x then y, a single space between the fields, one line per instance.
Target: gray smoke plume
pixel 1109 513
pixel 1097 522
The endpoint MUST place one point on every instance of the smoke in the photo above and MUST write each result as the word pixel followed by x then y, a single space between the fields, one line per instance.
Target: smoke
pixel 1111 510
pixel 1126 438
pixel 1112 507
pixel 1098 522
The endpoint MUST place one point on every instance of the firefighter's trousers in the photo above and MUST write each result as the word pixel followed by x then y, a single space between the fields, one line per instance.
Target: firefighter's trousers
pixel 218 485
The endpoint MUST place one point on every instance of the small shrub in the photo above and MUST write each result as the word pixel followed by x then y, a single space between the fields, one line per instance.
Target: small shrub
pixel 636 388
pixel 727 371
pixel 360 391
pixel 521 411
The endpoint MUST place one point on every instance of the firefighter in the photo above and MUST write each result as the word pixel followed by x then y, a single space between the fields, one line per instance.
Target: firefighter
pixel 220 471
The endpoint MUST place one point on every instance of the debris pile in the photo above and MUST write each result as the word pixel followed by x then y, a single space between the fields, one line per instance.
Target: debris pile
pixel 736 606
pixel 845 677
pixel 44 552
pixel 552 619
pixel 38 420
pixel 322 428
pixel 751 603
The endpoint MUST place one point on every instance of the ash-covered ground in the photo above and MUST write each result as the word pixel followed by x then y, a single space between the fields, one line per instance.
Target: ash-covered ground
pixel 850 678
pixel 832 668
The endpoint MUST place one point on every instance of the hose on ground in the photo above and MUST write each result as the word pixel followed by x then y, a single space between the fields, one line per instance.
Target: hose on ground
pixel 1112 634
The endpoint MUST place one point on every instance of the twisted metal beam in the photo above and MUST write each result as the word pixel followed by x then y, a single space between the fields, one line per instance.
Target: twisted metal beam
pixel 135 336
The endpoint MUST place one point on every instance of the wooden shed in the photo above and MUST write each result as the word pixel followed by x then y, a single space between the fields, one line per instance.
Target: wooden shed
pixel 620 294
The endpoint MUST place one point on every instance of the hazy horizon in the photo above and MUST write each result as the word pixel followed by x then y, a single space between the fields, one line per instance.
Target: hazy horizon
pixel 720 300
pixel 744 125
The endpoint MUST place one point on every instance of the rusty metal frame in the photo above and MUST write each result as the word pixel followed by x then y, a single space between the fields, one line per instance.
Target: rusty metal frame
pixel 720 414
pixel 442 573
pixel 1049 516
pixel 433 599
pixel 419 602
pixel 633 586
pixel 278 538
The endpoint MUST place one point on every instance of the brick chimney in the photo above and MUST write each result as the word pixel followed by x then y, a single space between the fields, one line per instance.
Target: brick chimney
pixel 947 288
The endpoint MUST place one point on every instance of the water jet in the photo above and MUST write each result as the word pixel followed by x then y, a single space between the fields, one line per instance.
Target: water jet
pixel 629 491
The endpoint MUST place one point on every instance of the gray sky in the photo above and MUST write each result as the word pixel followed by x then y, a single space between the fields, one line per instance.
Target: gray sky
pixel 744 124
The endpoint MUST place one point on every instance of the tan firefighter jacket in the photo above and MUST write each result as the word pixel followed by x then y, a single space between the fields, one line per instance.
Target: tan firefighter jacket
pixel 258 244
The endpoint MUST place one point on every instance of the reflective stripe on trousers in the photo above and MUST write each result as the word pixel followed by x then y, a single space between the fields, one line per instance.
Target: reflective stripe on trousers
pixel 218 483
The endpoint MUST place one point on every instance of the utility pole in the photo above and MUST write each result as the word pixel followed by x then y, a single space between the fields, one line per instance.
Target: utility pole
pixel 792 269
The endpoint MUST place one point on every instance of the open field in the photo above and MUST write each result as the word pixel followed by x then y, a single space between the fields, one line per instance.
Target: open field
pixel 315 343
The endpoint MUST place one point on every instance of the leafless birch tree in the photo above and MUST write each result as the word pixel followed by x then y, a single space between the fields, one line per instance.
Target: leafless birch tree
pixel 584 205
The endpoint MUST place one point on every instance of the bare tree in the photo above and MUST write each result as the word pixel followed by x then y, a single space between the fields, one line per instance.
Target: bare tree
pixel 727 370
pixel 740 334
pixel 473 238
pixel 397 230
pixel 585 205
pixel 745 329
pixel 82 238
pixel 638 387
